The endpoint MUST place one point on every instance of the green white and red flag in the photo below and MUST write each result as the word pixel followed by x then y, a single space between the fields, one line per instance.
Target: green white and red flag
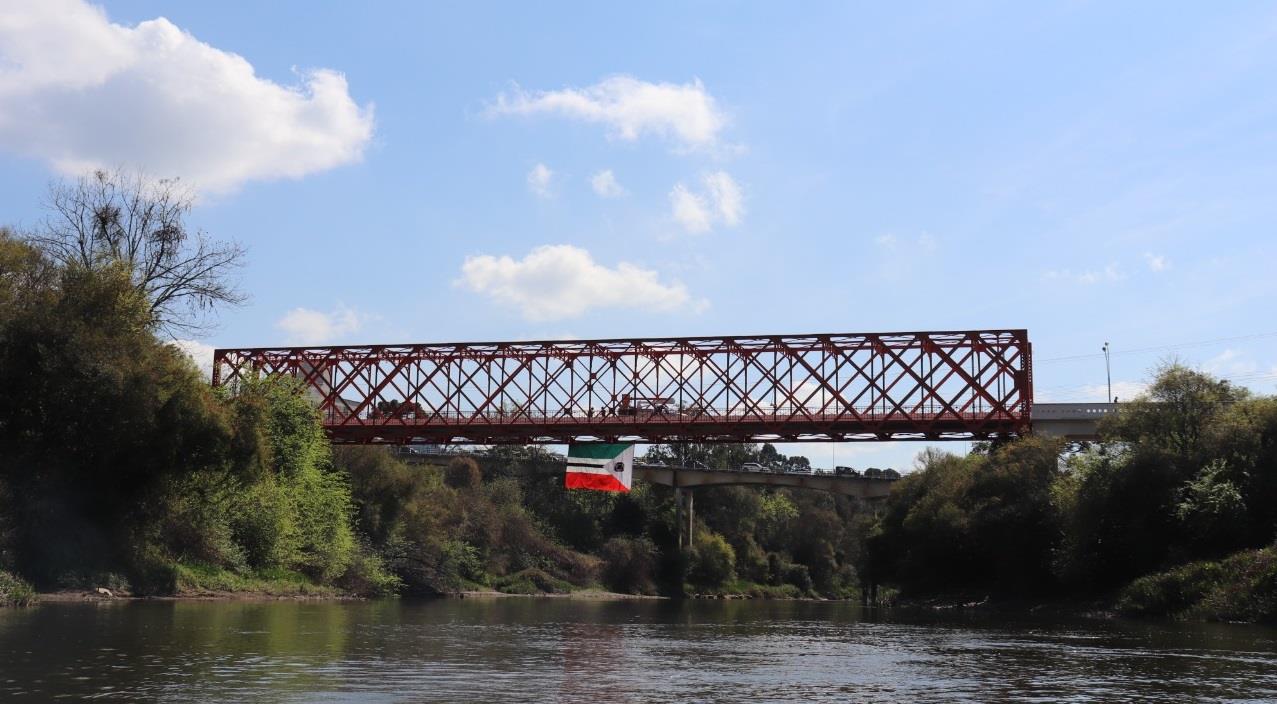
pixel 600 466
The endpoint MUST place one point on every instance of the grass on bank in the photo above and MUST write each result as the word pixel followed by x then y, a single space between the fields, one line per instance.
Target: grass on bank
pixel 14 591
pixel 1241 587
pixel 194 579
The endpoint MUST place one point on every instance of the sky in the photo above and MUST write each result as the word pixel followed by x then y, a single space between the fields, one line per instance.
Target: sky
pixel 412 172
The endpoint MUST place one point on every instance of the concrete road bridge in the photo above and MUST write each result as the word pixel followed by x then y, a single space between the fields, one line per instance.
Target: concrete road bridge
pixel 695 477
pixel 1072 421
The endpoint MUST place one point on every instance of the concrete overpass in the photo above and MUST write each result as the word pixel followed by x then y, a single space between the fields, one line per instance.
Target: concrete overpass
pixel 691 478
pixel 1072 421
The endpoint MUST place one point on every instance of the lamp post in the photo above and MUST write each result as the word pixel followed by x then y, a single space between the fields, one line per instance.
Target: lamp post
pixel 1108 373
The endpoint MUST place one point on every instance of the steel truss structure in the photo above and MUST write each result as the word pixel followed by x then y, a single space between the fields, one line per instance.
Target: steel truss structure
pixel 965 385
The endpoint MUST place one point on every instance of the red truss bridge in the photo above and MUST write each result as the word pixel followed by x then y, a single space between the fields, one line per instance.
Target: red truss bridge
pixel 965 385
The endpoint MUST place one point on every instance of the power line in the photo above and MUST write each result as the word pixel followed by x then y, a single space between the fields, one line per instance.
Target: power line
pixel 1160 348
pixel 1238 378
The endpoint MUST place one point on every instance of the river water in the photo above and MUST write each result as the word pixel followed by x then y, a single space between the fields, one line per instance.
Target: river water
pixel 521 649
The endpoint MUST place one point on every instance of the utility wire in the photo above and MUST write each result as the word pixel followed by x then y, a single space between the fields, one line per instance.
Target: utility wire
pixel 1161 348
pixel 1246 378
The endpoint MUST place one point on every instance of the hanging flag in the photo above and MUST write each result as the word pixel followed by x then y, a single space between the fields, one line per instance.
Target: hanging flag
pixel 601 466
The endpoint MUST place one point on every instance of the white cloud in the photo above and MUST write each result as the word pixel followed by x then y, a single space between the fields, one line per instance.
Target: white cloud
pixel 304 326
pixel 1110 273
pixel 629 108
pixel 1091 393
pixel 721 202
pixel 925 243
pixel 690 210
pixel 726 197
pixel 80 93
pixel 539 181
pixel 561 281
pixel 1157 262
pixel 1230 363
pixel 200 353
pixel 605 185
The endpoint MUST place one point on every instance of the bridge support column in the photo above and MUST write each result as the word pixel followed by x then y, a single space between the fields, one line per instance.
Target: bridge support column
pixel 686 512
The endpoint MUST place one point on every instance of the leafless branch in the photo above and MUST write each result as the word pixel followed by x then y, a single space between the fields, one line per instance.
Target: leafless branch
pixel 119 216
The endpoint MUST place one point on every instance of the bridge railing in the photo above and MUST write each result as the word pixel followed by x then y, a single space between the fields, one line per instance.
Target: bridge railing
pixel 1072 411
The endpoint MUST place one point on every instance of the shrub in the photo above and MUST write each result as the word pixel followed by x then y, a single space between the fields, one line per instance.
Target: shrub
pixel 713 561
pixel 14 591
pixel 629 565
pixel 1242 587
pixel 531 581
pixel 462 473
pixel 368 576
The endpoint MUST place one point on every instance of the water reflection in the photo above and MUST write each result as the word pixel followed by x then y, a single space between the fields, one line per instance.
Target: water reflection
pixel 591 651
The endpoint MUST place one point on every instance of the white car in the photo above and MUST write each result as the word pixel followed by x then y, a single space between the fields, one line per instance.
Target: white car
pixel 753 467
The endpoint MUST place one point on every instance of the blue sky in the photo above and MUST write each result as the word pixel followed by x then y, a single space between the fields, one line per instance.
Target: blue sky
pixel 1089 171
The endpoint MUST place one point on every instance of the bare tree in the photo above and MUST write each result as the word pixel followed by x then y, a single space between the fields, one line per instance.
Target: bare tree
pixel 119 216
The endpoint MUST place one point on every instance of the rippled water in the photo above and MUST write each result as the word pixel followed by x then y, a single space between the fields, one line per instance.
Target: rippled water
pixel 595 651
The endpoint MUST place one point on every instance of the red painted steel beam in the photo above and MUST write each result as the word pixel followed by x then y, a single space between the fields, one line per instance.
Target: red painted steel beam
pixel 958 385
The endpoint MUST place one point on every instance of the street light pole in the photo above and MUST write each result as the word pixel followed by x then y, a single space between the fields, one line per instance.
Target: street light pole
pixel 1108 373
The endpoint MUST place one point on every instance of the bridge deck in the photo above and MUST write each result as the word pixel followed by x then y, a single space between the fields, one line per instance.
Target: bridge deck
pixel 787 426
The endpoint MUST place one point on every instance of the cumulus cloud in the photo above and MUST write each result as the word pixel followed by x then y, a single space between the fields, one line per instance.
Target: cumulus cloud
pixel 605 185
pixel 721 202
pixel 629 108
pixel 561 281
pixel 304 326
pixel 80 92
pixel 539 181
pixel 200 353
pixel 1157 262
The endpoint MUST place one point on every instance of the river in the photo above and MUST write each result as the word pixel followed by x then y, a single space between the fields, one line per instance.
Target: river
pixel 521 649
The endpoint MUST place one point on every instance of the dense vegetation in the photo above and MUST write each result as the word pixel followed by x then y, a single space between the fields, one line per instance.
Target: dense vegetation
pixel 119 462
pixel 507 523
pixel 1187 473
pixel 121 468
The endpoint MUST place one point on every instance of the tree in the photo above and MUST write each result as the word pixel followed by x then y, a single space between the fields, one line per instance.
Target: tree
pixel 109 218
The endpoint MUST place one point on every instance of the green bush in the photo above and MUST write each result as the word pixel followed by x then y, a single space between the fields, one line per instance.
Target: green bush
pixel 1242 587
pixel 713 562
pixel 367 576
pixel 14 591
pixel 531 581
